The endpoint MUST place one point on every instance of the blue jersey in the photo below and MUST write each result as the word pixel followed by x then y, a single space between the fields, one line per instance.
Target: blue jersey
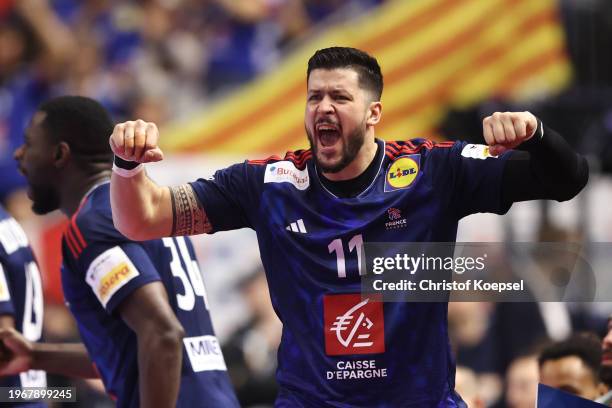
pixel 338 349
pixel 20 294
pixel 101 268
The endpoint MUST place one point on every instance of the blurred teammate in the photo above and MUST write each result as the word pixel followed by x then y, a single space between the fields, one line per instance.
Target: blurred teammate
pixel 314 209
pixel 605 373
pixel 573 366
pixel 21 296
pixel 140 307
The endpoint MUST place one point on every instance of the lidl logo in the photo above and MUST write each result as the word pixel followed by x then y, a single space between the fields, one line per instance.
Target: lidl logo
pixel 402 172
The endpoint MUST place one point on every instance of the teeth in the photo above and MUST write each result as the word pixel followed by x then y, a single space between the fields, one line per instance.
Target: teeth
pixel 326 127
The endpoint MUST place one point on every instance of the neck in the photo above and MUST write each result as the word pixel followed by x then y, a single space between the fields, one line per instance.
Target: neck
pixel 366 154
pixel 76 186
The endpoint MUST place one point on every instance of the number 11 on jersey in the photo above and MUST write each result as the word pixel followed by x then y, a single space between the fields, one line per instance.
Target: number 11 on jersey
pixel 337 246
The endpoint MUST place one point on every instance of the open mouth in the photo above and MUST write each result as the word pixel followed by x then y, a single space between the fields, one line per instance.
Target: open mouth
pixel 328 134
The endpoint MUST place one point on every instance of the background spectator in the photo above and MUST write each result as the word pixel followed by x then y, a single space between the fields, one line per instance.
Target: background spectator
pixel 573 366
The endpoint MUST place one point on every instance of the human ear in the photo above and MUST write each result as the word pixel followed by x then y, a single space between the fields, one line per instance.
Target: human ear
pixel 374 113
pixel 61 155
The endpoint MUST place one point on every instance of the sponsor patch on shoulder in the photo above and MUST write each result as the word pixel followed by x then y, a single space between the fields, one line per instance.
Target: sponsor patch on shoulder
pixel 286 172
pixel 476 151
pixel 110 271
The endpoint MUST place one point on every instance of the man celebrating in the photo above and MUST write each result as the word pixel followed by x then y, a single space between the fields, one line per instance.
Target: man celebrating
pixel 314 209
pixel 136 303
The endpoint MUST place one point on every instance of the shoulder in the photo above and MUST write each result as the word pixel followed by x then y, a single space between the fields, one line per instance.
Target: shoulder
pixel 91 224
pixel 394 149
pixel 298 158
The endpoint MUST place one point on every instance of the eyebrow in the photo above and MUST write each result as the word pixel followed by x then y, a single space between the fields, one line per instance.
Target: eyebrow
pixel 333 91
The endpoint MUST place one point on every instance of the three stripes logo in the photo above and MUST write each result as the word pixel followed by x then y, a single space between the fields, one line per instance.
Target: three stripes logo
pixel 297 226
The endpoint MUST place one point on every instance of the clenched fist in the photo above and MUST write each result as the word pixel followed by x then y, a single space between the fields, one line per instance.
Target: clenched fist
pixel 136 141
pixel 506 130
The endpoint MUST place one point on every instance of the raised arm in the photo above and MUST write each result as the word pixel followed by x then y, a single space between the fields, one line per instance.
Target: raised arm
pixel 58 45
pixel 544 166
pixel 142 209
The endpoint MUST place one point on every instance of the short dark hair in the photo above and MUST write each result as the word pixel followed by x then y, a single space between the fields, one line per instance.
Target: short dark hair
pixel 585 346
pixel 81 122
pixel 365 65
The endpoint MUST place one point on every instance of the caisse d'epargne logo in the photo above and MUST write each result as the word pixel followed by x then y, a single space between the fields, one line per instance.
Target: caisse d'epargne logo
pixel 353 325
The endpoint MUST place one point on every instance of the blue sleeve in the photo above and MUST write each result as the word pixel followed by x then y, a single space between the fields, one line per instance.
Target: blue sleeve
pixel 114 270
pixel 6 302
pixel 470 178
pixel 231 197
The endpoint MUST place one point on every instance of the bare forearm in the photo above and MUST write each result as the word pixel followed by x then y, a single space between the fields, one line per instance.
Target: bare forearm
pixel 159 367
pixel 141 209
pixel 69 359
pixel 57 40
pixel 248 11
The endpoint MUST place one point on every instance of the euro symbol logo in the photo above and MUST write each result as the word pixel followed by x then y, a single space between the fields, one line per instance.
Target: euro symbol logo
pixel 343 324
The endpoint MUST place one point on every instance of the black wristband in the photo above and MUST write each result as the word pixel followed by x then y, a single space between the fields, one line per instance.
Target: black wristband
pixel 125 164
pixel 535 141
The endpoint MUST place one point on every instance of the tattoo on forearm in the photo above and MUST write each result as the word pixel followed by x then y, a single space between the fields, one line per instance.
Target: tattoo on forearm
pixel 189 217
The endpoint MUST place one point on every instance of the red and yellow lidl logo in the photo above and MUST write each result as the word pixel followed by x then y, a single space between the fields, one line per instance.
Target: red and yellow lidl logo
pixel 402 172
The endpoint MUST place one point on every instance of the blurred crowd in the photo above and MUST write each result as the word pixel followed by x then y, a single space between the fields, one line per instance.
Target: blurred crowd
pixel 160 60
pixel 156 59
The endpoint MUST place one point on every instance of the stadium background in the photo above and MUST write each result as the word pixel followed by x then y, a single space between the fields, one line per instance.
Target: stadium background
pixel 225 80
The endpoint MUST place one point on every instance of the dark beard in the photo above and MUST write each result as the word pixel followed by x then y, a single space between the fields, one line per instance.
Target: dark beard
pixel 605 375
pixel 349 151
pixel 44 200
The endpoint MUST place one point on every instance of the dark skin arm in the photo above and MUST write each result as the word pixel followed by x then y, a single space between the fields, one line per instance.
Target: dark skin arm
pixel 20 354
pixel 160 350
pixel 159 333
pixel 6 321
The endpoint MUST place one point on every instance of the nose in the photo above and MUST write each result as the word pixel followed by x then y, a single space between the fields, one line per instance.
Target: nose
pixel 607 341
pixel 326 105
pixel 18 153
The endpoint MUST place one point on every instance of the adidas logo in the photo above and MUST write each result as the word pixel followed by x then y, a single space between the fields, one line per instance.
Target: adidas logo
pixel 297 226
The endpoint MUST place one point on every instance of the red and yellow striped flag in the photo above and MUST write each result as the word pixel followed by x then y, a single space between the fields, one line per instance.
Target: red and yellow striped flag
pixel 435 54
